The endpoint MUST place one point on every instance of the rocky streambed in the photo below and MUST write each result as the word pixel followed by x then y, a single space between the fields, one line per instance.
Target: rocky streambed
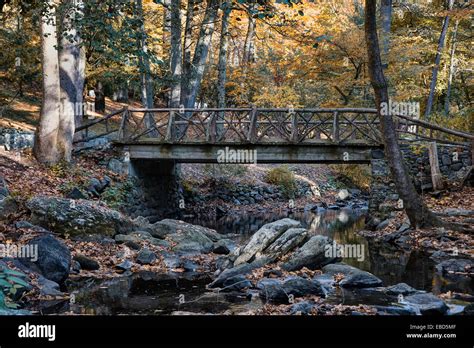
pixel 95 260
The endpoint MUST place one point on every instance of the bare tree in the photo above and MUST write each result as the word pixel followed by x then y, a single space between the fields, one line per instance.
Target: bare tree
pixel 201 53
pixel 452 68
pixel 434 76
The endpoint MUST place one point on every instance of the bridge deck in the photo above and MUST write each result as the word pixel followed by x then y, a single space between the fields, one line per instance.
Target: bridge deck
pixel 316 152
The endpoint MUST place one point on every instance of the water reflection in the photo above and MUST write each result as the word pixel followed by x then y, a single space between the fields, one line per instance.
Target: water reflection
pixel 389 263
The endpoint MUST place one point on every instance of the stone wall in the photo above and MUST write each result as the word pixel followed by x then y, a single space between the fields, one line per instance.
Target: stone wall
pixel 454 162
pixel 14 139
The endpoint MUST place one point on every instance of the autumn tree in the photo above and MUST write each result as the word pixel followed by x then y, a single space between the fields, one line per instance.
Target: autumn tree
pixel 418 213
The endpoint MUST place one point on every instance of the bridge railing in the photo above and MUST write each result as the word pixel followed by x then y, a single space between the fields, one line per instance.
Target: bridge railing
pixel 262 126
pixel 250 125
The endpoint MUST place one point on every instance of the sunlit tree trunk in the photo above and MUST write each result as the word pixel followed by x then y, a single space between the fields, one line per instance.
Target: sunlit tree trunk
pixel 386 16
pixel 222 65
pixel 452 68
pixel 176 54
pixel 187 52
pixel 249 46
pixel 46 142
pixel 417 212
pixel 144 61
pixel 72 75
pixel 434 76
pixel 201 52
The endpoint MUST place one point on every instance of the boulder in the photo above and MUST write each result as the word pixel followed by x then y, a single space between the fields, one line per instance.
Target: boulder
pixel 48 287
pixel 266 235
pixel 242 269
pixel 302 308
pixel 76 218
pixel 427 303
pixel 343 195
pixel 86 262
pixel 236 283
pixel 400 289
pixel 277 291
pixel 455 268
pixel 146 257
pixel 224 247
pixel 191 241
pixel 54 258
pixel 8 205
pixel 165 227
pixel 140 236
pixel 311 255
pixel 353 277
pixel 288 241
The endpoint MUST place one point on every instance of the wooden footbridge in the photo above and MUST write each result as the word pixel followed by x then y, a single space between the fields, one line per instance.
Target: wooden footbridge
pixel 331 135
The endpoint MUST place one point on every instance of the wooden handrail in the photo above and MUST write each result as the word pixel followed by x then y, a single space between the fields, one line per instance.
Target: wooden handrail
pixel 99 120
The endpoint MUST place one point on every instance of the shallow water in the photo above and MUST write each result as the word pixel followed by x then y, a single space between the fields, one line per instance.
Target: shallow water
pixel 185 294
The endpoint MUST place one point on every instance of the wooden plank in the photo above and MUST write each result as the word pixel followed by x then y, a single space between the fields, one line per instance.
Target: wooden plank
pixel 169 131
pixel 335 129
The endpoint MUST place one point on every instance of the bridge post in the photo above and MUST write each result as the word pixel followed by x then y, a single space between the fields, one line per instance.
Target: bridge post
pixel 169 130
pixel 122 133
pixel 211 128
pixel 294 128
pixel 335 135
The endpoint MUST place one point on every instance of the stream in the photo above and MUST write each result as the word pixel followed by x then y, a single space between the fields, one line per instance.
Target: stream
pixel 187 293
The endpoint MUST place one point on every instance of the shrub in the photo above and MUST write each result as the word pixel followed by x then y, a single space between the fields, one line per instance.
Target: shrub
pixel 284 178
pixel 353 174
pixel 10 282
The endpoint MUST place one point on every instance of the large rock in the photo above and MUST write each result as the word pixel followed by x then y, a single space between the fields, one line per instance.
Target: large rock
pixel 277 291
pixel 242 269
pixel 427 303
pixel 165 227
pixel 8 204
pixel 54 258
pixel 353 277
pixel 266 235
pixel 191 241
pixel 288 241
pixel 311 255
pixel 455 268
pixel 76 218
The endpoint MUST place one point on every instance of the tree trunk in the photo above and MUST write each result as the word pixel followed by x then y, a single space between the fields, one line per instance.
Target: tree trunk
pixel 46 142
pixel 434 76
pixel 451 69
pixel 249 46
pixel 386 16
pixel 188 37
pixel 176 54
pixel 417 212
pixel 224 44
pixel 201 52
pixel 222 65
pixel 144 61
pixel 71 70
